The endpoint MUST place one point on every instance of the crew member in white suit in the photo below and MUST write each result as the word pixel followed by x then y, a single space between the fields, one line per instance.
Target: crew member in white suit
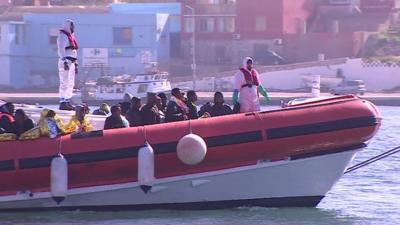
pixel 67 63
pixel 247 87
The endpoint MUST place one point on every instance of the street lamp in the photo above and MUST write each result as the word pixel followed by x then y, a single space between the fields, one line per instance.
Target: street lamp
pixel 193 40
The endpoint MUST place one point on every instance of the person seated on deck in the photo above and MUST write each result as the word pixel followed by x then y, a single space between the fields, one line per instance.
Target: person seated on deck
pixel 6 117
pixel 50 124
pixel 79 122
pixel 177 109
pixel 116 120
pixel 150 112
pixel 125 106
pixel 205 109
pixel 219 108
pixel 22 122
pixel 161 113
pixel 164 100
pixel 191 104
pixel 103 110
pixel 134 115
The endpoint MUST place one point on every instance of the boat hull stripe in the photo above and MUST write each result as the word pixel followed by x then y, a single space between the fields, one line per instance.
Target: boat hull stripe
pixel 85 157
pixel 303 201
pixel 315 128
pixel 233 139
pixel 7 165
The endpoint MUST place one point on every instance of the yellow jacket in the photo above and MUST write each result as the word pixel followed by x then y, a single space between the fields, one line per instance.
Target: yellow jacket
pixel 74 125
pixel 44 130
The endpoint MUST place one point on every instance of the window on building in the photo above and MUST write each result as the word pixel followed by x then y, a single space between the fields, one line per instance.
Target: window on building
pixel 261 23
pixel 226 24
pixel 221 24
pixel 19 34
pixel 53 34
pixel 230 24
pixel 188 24
pixel 206 25
pixel 122 36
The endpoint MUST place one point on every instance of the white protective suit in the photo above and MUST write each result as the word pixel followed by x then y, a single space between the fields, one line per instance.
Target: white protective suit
pixel 248 96
pixel 67 77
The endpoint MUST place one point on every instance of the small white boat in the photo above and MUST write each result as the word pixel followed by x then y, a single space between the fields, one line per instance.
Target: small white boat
pixel 116 87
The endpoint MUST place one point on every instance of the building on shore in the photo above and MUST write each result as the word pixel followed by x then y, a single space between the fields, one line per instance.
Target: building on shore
pixel 301 30
pixel 124 39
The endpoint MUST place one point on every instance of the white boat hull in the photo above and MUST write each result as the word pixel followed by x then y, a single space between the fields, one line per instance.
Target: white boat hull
pixel 299 182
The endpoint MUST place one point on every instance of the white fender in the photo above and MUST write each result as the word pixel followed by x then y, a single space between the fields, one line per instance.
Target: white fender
pixel 59 178
pixel 146 165
pixel 191 149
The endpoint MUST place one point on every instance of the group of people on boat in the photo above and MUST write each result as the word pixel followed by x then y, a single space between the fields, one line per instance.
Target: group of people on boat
pixel 15 124
pixel 158 110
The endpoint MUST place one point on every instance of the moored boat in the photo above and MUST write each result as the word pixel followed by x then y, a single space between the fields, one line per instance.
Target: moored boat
pixel 284 157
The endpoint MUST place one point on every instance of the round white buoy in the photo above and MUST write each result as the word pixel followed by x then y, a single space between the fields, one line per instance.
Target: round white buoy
pixel 146 165
pixel 59 178
pixel 191 149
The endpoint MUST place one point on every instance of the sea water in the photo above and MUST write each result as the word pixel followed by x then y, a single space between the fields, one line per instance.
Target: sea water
pixel 370 195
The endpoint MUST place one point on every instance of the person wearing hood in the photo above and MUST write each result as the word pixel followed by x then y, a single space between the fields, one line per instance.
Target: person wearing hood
pixel 7 119
pixel 79 122
pixel 67 63
pixel 247 87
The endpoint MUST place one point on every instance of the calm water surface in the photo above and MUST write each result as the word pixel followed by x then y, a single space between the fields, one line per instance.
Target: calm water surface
pixel 367 196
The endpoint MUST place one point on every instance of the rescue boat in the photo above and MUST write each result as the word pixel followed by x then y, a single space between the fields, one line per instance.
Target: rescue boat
pixel 279 158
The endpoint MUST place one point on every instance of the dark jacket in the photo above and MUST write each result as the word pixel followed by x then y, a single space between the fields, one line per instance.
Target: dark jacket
pixel 205 108
pixel 113 122
pixel 26 125
pixel 193 114
pixel 150 115
pixel 134 117
pixel 174 112
pixel 220 110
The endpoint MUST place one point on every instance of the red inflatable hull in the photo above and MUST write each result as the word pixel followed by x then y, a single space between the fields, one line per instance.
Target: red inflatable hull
pixel 110 157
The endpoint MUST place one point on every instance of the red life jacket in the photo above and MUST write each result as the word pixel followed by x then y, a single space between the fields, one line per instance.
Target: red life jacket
pixel 10 118
pixel 250 77
pixel 73 44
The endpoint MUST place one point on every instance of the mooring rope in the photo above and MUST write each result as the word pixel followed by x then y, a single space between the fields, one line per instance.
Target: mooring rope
pixel 373 159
